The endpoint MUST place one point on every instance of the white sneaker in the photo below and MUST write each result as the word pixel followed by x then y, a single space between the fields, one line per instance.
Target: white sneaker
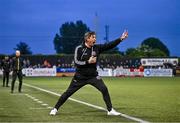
pixel 113 112
pixel 53 111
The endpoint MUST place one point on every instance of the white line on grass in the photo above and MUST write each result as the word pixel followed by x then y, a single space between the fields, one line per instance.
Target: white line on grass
pixel 88 104
pixel 49 107
pixel 37 108
pixel 38 101
pixel 17 94
pixel 44 104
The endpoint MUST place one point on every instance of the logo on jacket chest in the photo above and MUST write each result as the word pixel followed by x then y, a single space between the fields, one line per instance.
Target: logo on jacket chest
pixel 85 54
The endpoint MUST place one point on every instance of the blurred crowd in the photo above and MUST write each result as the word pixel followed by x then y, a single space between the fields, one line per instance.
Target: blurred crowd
pixel 104 62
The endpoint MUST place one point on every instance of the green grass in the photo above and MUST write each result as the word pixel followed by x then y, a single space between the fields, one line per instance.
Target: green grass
pixel 151 99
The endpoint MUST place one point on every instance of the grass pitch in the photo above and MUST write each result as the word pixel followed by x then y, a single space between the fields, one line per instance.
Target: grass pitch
pixel 150 99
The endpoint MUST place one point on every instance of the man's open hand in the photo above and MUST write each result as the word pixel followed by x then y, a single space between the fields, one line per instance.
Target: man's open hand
pixel 124 35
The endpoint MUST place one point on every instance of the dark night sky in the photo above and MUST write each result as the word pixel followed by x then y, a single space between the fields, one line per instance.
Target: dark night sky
pixel 37 21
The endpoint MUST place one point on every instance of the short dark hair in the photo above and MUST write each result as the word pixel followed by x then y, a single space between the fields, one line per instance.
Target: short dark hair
pixel 88 34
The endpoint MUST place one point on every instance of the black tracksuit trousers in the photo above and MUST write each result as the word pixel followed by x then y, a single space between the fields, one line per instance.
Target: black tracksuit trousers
pixel 5 78
pixel 14 76
pixel 77 82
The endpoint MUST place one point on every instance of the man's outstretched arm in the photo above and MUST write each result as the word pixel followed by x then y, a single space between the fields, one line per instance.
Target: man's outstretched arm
pixel 112 44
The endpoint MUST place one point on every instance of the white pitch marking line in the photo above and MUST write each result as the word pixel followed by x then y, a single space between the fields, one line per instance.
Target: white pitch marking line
pixel 40 101
pixel 18 94
pixel 88 104
pixel 44 104
pixel 33 98
pixel 36 99
pixel 49 107
pixel 30 96
pixel 37 108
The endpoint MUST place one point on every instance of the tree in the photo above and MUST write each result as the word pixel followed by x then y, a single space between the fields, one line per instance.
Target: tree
pixel 58 41
pixel 130 51
pixel 157 53
pixel 134 52
pixel 23 48
pixel 114 51
pixel 155 43
pixel 71 35
pixel 144 51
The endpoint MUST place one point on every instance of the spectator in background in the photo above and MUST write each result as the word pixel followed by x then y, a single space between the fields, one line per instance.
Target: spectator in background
pixel 58 63
pixel 45 63
pixel 6 70
pixel 28 63
pixel 17 65
pixel 24 63
pixel 49 65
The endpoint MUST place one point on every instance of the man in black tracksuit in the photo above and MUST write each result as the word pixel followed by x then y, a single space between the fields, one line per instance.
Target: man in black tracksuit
pixel 85 58
pixel 6 69
pixel 17 65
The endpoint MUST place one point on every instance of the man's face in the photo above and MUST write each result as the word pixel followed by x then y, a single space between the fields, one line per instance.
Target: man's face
pixel 17 54
pixel 91 40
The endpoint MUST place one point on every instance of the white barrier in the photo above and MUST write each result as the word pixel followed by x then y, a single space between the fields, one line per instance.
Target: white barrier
pixel 121 72
pixel 158 61
pixel 158 72
pixel 40 72
pixel 128 72
pixel 105 72
pixel 102 72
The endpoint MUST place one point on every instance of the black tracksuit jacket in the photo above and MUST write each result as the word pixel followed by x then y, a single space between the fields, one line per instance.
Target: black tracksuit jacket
pixel 15 63
pixel 83 53
pixel 6 65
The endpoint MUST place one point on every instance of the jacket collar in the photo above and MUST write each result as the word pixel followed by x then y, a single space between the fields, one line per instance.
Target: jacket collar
pixel 84 46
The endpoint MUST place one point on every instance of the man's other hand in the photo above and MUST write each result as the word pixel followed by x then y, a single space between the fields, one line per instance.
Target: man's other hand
pixel 92 60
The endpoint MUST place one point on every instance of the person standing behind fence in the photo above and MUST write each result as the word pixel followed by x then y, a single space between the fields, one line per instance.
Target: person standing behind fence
pixel 17 65
pixel 6 69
